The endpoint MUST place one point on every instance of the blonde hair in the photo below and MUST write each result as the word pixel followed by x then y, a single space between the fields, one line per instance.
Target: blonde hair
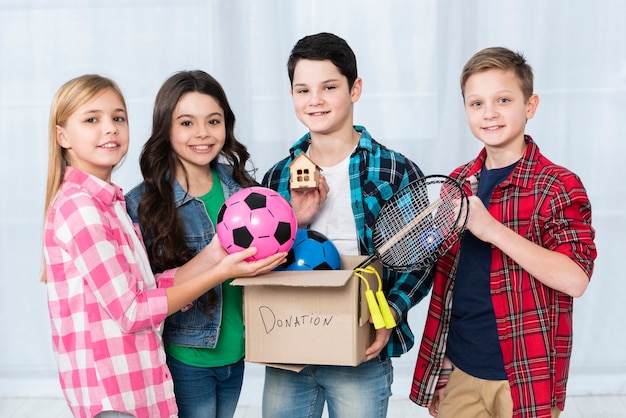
pixel 70 96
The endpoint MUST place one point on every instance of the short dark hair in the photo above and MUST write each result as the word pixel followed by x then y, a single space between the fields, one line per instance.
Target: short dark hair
pixel 501 59
pixel 324 46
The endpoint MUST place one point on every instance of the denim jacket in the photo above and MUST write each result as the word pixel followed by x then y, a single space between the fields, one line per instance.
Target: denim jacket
pixel 191 327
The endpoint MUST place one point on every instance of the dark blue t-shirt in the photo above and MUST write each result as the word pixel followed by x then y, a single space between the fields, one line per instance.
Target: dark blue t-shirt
pixel 473 344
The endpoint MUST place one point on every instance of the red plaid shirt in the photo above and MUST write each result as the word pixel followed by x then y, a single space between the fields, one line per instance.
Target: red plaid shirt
pixel 548 205
pixel 104 314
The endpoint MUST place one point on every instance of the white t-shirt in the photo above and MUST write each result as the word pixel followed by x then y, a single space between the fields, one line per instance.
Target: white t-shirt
pixel 335 219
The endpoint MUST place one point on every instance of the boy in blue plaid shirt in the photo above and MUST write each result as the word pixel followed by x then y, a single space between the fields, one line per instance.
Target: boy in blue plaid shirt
pixel 359 175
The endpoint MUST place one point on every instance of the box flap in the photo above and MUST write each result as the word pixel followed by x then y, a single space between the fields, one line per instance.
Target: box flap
pixel 305 278
pixel 313 278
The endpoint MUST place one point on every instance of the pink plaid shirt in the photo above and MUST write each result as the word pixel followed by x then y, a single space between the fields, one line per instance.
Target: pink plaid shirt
pixel 105 316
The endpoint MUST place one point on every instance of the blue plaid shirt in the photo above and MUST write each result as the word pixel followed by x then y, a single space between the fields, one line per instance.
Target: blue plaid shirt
pixel 376 173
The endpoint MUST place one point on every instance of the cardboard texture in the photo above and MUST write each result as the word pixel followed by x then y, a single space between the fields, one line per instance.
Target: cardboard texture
pixel 296 318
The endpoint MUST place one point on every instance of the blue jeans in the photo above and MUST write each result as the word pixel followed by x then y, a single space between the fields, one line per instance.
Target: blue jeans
pixel 351 392
pixel 206 392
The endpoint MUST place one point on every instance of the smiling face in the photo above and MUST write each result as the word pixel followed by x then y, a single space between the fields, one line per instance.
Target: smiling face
pixel 497 111
pixel 95 136
pixel 322 98
pixel 198 130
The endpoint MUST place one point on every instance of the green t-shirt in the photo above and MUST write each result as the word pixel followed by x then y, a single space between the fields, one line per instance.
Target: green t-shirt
pixel 230 345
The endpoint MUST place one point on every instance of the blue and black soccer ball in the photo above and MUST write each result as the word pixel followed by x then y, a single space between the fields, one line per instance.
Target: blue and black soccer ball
pixel 311 250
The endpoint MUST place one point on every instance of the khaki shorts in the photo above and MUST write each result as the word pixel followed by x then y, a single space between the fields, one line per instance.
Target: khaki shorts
pixel 471 397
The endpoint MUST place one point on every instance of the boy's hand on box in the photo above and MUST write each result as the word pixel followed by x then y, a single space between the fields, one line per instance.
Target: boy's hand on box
pixel 381 340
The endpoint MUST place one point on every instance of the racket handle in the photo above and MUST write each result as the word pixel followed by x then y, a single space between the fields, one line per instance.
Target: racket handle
pixel 385 310
pixel 377 317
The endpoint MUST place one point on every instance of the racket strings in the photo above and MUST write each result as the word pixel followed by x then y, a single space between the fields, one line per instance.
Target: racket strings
pixel 420 223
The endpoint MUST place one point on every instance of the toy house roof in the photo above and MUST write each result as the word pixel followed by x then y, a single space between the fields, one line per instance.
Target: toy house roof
pixel 299 157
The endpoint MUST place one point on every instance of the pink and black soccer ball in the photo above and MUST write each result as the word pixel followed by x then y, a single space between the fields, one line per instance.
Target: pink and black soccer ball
pixel 311 250
pixel 256 217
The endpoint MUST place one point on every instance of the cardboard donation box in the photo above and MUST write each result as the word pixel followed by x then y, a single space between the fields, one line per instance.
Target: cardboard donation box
pixel 308 317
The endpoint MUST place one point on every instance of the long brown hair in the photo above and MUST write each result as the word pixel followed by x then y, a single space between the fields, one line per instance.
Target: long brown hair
pixel 162 227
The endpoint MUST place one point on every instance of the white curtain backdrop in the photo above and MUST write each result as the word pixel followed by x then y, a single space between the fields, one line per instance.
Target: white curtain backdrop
pixel 410 54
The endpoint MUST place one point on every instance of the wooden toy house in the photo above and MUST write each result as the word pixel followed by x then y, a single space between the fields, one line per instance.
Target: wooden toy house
pixel 304 173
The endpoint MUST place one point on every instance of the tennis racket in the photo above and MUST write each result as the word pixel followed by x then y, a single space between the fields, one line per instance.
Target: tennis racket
pixel 419 224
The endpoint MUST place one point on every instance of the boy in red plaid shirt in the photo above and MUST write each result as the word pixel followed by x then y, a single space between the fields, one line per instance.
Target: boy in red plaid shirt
pixel 498 336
